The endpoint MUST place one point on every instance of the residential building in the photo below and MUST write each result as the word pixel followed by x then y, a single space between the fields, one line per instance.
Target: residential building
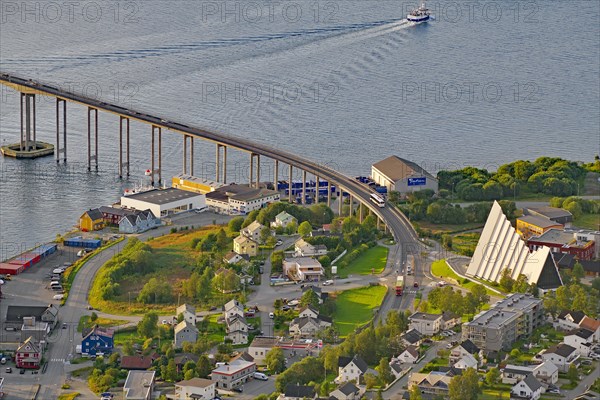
pixel 28 355
pixel 500 247
pixel 529 388
pixel 45 313
pixel 260 346
pixel 352 369
pixel 163 202
pixel 561 355
pixel 138 222
pixel 308 311
pixel 449 320
pixel 400 175
pixel 244 245
pixel 140 363
pixel 512 374
pixel 36 330
pixel 465 348
pixel 297 392
pixel 232 309
pixel 546 372
pixel 234 258
pixel 434 383
pixel 303 269
pixel 185 332
pixel 195 389
pixel 589 235
pixel 563 242
pixel 139 385
pixel 531 225
pixel 409 355
pixel 112 215
pixel 195 184
pixel 467 361
pixel 182 358
pixel 591 325
pixel 308 326
pixel 304 249
pixel 496 329
pixel 91 220
pixel 347 391
pixel 97 341
pixel 396 368
pixel 318 291
pixel 558 215
pixel 426 324
pixel 581 339
pixel 188 311
pixel 568 320
pixel 233 374
pixel 253 231
pixel 283 219
pixel 237 330
pixel 412 337
pixel 240 199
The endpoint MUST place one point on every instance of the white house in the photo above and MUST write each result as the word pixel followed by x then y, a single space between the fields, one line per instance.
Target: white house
pixel 409 355
pixel 234 258
pixel 308 326
pixel 591 325
pixel 412 337
pixel 237 330
pixel 233 308
pixel 303 269
pixel 467 361
pixel 163 202
pixel 252 231
pixel 283 219
pixel 512 374
pixel 546 372
pixel 304 249
pixel 240 199
pixel 561 355
pixel 233 374
pixel 529 388
pixel 568 320
pixel 195 388
pixel 581 340
pixel 426 324
pixel 188 312
pixel 352 369
pixel 466 347
pixel 347 391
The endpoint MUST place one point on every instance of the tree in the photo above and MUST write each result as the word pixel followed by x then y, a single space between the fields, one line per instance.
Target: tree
pixel 596 283
pixel 385 371
pixel 415 393
pixel 572 374
pixel 521 285
pixel 481 296
pixel 305 229
pixel 447 242
pixel 291 228
pixel 265 234
pixel 155 291
pixel 146 328
pixel 506 280
pixel 203 366
pixel 226 281
pixel 551 304
pixel 309 298
pixel 370 380
pixel 169 371
pixel 378 395
pixel 515 353
pixel 492 376
pixel 235 225
pixel 578 273
pixel 93 317
pixel 465 386
pixel 189 374
pixel 275 360
pixel 277 261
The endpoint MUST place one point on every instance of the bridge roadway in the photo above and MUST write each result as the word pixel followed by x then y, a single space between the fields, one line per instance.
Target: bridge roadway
pixel 398 224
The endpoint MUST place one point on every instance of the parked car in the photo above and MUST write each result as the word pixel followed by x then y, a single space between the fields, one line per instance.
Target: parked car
pixel 249 314
pixel 64 325
pixel 22 371
pixel 260 376
pixel 271 315
pixel 279 243
pixel 286 308
pixel 3 360
pixel 449 346
pixel 165 322
pixel 58 296
pixel 293 303
pixel 328 282
pixel 8 370
pixel 238 389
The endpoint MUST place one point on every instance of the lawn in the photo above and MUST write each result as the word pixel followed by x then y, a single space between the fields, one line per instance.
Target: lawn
pixel 448 228
pixel 372 260
pixel 84 321
pixel 588 221
pixel 491 394
pixel 465 243
pixel 355 307
pixel 439 268
pixel 68 396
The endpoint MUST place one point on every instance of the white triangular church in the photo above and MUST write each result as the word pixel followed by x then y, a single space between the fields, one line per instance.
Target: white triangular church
pixel 501 247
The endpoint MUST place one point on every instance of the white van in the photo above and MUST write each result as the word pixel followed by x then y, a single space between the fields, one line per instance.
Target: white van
pixel 58 271
pixel 54 283
pixel 58 296
pixel 260 376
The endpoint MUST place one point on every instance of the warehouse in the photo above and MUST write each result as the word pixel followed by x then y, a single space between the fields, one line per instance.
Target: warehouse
pixel 240 199
pixel 195 184
pixel 163 202
pixel 400 175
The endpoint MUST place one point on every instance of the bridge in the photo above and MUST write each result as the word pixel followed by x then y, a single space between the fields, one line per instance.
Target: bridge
pixel 393 219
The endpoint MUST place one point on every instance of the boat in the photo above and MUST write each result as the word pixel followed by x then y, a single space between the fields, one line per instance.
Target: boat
pixel 420 14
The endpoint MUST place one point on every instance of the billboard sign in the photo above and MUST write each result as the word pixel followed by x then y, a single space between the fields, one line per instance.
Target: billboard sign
pixel 417 181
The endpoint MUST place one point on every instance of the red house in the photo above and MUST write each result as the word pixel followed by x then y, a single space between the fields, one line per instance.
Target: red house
pixel 564 242
pixel 28 355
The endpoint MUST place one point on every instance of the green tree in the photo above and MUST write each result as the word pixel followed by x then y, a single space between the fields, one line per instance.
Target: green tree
pixel 309 298
pixel 305 229
pixel 370 380
pixel 572 373
pixel 275 360
pixel 93 317
pixel 169 371
pixel 415 393
pixel 277 261
pixel 203 366
pixel 465 386
pixel 385 371
pixel 521 285
pixel 156 292
pixel 226 281
pixel 146 328
pixel 447 242
pixel 128 349
pixel 291 228
pixel 506 280
pixel 596 283
pixel 578 273
pixel 235 225
pixel 265 234
pixel 551 304
pixel 189 374
pixel 378 395
pixel 481 296
pixel 492 376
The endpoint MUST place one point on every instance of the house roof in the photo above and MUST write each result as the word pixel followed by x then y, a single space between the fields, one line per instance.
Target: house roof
pixel 396 366
pixel 300 391
pixel 551 212
pixel 360 363
pixel 182 358
pixel 282 216
pixel 425 316
pixel 196 382
pixel 315 289
pixel 303 321
pixel 241 239
pixel 447 316
pixel 29 345
pixel 186 308
pixel 532 382
pixel 412 350
pixel 254 226
pixel 538 221
pixel 233 319
pixel 469 346
pixel 164 196
pixel 94 214
pixel 116 211
pixel 581 332
pixel 232 367
pixel 99 331
pixel 561 349
pixel 138 384
pixel 396 168
pixel 518 369
pixel 412 336
pixel 231 304
pixel 589 323
pixel 467 360
pixel 16 313
pixel 577 316
pixel 548 366
pixel 136 362
pixel 348 388
pixel 185 324
pixel 243 356
pixel 230 256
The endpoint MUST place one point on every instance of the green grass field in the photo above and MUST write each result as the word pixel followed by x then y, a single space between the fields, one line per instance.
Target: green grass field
pixel 588 221
pixel 355 307
pixel 85 322
pixel 448 228
pixel 465 243
pixel 439 269
pixel 374 258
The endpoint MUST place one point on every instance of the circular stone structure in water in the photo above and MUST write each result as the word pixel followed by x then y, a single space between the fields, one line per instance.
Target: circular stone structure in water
pixel 41 149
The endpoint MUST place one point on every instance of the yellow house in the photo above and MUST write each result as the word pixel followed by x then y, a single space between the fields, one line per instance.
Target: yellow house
pixel 531 225
pixel 245 245
pixel 91 220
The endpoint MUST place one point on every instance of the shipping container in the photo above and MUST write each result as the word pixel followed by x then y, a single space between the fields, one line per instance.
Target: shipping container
pixel 80 242
pixel 11 269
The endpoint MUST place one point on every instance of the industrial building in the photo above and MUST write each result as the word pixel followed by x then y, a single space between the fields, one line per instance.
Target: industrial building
pixel 532 225
pixel 564 242
pixel 400 175
pixel 195 184
pixel 240 199
pixel 552 213
pixel 163 202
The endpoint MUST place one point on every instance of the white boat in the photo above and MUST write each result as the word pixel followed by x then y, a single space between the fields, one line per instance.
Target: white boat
pixel 420 14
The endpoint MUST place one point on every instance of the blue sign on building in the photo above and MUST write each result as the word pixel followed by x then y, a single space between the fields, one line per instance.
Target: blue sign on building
pixel 417 181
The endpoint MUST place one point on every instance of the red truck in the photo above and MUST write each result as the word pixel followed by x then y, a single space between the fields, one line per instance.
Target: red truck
pixel 399 285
